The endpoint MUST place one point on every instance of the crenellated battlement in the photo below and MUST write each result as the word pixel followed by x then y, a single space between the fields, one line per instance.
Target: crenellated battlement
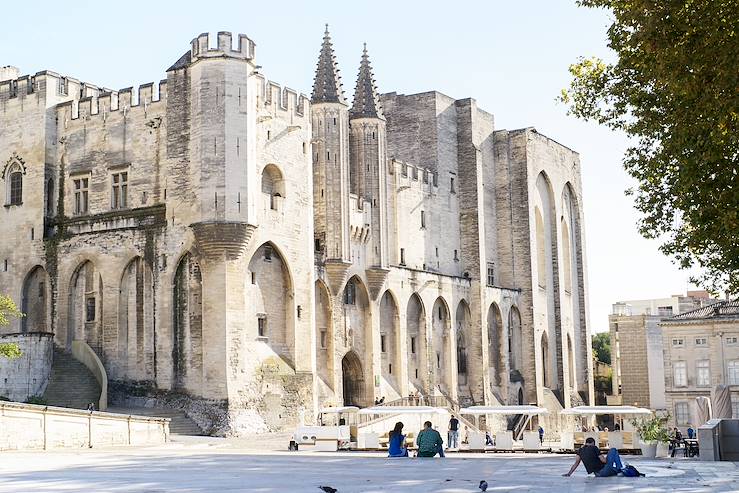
pixel 244 49
pixel 281 99
pixel 412 175
pixel 107 101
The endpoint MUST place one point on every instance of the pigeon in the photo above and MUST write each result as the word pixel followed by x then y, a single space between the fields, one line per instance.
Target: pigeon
pixel 483 485
pixel 328 489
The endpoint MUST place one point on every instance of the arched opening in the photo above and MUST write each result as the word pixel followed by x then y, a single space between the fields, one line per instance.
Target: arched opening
pixel 135 321
pixel 389 342
pixel 440 334
pixel 496 352
pixel 85 312
pixel 574 256
pixel 566 257
pixel 324 333
pixel 545 371
pixel 515 340
pixel 416 343
pixel 358 327
pixel 461 360
pixel 352 377
pixel 187 343
pixel 35 301
pixel 270 294
pixel 520 397
pixel 14 184
pixel 273 186
pixel 541 255
pixel 468 376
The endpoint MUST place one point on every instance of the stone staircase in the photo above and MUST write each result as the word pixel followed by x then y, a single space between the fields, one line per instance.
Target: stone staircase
pixel 71 384
pixel 179 423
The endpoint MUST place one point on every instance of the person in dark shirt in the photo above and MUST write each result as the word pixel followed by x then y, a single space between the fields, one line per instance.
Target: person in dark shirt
pixel 595 462
pixel 453 435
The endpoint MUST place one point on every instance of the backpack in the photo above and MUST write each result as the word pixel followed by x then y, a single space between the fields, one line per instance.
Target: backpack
pixel 631 472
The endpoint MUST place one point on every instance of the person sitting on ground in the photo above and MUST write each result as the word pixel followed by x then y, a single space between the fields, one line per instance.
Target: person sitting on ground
pixel 489 439
pixel 595 462
pixel 617 427
pixel 429 442
pixel 396 445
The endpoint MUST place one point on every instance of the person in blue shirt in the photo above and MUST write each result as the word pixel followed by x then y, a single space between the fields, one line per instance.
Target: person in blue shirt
pixel 396 446
pixel 541 435
pixel 691 432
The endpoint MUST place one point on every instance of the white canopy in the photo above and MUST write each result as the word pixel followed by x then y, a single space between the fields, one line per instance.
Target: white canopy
pixel 403 410
pixel 595 410
pixel 508 410
pixel 339 410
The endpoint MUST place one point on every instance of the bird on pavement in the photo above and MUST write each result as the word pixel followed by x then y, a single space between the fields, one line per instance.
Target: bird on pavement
pixel 328 489
pixel 483 485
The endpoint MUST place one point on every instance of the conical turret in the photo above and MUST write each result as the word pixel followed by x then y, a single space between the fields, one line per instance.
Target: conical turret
pixel 327 84
pixel 366 99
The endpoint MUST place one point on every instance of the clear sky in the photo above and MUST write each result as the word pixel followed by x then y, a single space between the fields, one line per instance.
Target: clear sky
pixel 512 56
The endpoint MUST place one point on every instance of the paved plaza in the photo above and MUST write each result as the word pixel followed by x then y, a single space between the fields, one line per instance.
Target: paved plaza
pixel 217 465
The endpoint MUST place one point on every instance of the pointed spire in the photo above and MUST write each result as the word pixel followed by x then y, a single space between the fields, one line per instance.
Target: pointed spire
pixel 366 98
pixel 327 84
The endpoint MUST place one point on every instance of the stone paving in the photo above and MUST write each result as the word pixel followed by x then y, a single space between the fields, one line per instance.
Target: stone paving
pixel 220 466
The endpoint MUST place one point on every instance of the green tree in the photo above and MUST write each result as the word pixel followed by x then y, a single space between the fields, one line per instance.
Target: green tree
pixel 674 90
pixel 602 347
pixel 8 310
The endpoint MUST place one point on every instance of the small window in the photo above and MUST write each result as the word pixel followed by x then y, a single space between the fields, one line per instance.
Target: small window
pixel 731 340
pixel 390 368
pixel 402 256
pixel 701 341
pixel 16 188
pixel 90 309
pixel 350 293
pixel 425 176
pixel 41 290
pixel 664 311
pixel 268 253
pixel 733 372
pixel 703 373
pixel 438 361
pixel 423 219
pixel 440 312
pixel 491 274
pixel 404 170
pixel 456 255
pixel 383 347
pixel 435 179
pixel 262 326
pixel 451 185
pixel 324 339
pixel 62 86
pixel 682 413
pixel 735 406
pixel 253 277
pixel 415 173
pixel 119 190
pixel 81 191
pixel 680 342
pixel 49 197
pixel 317 244
pixel 413 345
pixel 681 373
pixel 436 249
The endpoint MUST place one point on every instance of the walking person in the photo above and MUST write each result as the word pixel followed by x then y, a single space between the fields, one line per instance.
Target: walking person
pixel 541 435
pixel 453 434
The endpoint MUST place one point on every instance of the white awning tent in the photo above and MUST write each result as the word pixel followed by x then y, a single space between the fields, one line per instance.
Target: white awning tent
pixel 339 410
pixel 504 410
pixel 598 410
pixel 403 410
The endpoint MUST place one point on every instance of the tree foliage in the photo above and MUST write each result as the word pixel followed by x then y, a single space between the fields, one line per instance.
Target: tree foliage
pixel 602 347
pixel 8 310
pixel 674 90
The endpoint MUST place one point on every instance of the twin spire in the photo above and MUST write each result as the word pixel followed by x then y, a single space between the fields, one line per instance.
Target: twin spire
pixel 327 84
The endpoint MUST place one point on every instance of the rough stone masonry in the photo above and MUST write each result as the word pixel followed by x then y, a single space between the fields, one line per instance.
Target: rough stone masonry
pixel 233 248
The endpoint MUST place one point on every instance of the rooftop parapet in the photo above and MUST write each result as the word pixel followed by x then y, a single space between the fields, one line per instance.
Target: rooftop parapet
pixel 410 175
pixel 273 95
pixel 200 47
pixel 112 101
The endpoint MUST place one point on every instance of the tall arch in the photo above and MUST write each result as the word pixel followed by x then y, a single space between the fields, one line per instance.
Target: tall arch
pixel 324 333
pixel 570 363
pixel 390 339
pixel 469 354
pixel 358 331
pixel 270 292
pixel 85 313
pixel 549 291
pixel 35 301
pixel 416 341
pixel 273 187
pixel 546 373
pixel 496 346
pixel 135 337
pixel 353 380
pixel 515 339
pixel 577 293
pixel 441 344
pixel 187 334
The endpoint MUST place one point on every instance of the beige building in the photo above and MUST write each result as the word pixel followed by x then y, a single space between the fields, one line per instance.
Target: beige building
pixel 228 246
pixel 701 350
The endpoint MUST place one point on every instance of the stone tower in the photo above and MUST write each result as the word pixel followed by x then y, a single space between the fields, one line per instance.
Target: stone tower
pixel 330 123
pixel 368 172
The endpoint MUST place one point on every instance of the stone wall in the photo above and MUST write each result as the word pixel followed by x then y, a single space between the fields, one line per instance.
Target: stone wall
pixel 28 375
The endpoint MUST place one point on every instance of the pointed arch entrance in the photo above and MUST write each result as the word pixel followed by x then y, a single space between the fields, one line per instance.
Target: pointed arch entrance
pixel 352 378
